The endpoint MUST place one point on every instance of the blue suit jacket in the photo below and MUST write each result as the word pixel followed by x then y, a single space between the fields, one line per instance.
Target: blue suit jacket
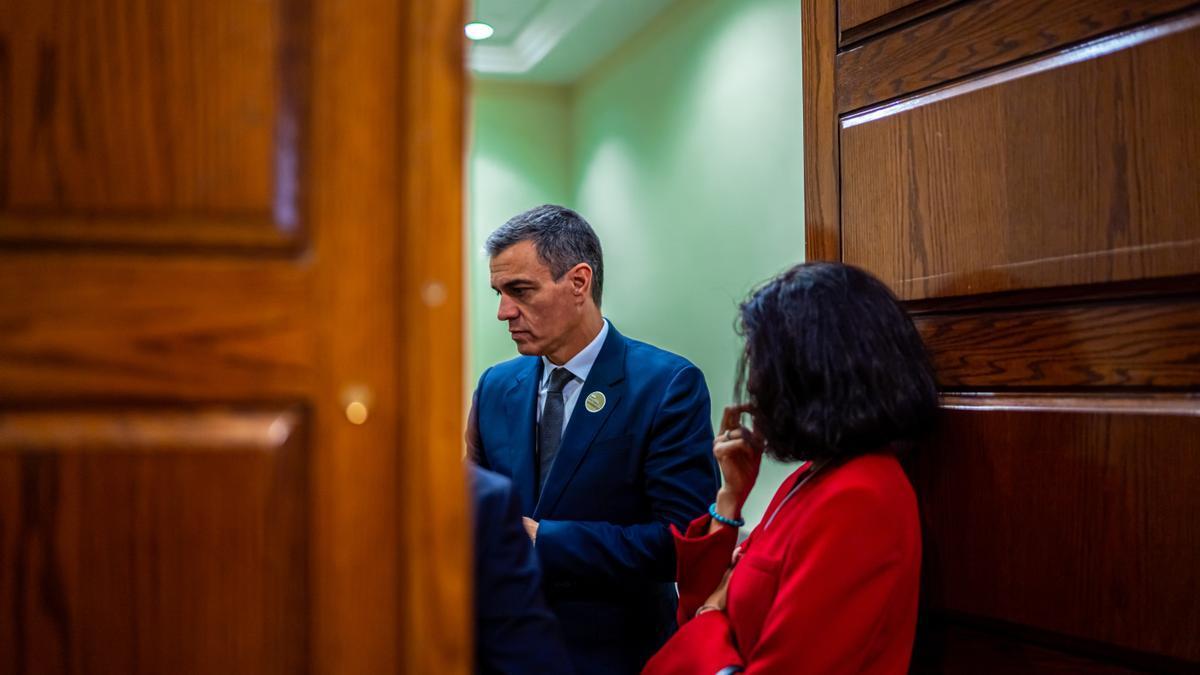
pixel 515 633
pixel 622 476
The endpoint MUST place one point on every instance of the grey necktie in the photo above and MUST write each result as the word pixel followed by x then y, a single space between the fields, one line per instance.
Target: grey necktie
pixel 550 430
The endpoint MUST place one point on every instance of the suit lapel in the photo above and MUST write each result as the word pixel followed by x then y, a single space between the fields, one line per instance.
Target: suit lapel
pixel 520 406
pixel 607 377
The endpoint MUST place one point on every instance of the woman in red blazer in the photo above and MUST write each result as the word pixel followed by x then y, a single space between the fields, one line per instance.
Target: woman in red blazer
pixel 837 379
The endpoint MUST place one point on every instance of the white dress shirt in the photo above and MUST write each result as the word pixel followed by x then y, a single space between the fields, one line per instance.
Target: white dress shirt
pixel 579 365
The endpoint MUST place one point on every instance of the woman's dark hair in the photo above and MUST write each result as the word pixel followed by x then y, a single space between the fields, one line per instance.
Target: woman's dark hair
pixel 833 366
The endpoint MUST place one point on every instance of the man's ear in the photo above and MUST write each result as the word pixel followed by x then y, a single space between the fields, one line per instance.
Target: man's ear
pixel 580 277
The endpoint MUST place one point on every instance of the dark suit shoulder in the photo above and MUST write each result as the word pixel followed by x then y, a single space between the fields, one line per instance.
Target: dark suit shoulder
pixel 656 358
pixel 502 374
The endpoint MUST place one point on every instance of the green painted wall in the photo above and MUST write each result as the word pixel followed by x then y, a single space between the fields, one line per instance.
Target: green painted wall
pixel 684 151
pixel 520 138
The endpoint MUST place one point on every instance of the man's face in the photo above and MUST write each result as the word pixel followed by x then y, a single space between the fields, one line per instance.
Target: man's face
pixel 539 311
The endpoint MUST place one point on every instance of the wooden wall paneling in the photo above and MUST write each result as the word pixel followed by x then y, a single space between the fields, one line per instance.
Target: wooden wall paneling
pixel 439 616
pixel 822 217
pixel 74 327
pixel 1051 173
pixel 950 644
pixel 1135 343
pixel 853 13
pixel 147 541
pixel 977 36
pixel 131 125
pixel 1077 519
pixel 903 13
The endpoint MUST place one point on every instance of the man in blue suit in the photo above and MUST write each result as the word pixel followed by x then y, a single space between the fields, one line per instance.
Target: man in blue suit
pixel 607 440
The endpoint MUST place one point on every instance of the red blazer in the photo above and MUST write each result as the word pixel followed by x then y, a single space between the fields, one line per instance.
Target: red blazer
pixel 830 586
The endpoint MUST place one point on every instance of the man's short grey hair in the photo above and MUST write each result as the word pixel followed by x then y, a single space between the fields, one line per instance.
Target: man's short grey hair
pixel 562 238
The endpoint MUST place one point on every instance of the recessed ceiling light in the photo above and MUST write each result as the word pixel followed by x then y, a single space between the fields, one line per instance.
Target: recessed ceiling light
pixel 478 31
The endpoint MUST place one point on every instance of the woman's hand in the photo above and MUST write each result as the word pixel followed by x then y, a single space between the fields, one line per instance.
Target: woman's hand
pixel 739 454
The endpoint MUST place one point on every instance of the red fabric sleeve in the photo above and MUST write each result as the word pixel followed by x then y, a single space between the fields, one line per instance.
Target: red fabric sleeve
pixel 835 584
pixel 701 560
pixel 697 648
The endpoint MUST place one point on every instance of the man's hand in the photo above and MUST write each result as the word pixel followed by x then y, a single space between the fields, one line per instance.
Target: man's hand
pixel 531 526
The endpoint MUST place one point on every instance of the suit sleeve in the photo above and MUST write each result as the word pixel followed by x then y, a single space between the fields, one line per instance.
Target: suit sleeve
pixel 835 583
pixel 680 481
pixel 516 633
pixel 474 439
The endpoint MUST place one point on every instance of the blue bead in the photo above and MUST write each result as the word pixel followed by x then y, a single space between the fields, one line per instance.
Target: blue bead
pixel 712 511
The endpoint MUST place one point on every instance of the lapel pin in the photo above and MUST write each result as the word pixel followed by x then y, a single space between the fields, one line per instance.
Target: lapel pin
pixel 594 402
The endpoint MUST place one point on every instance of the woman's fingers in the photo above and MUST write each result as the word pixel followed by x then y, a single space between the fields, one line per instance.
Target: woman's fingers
pixel 732 418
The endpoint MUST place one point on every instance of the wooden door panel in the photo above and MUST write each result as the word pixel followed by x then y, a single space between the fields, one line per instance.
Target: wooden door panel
pixel 1023 179
pixel 1116 344
pixel 213 238
pixel 957 645
pixel 191 328
pixel 154 541
pixel 976 36
pixel 852 13
pixel 133 124
pixel 1073 516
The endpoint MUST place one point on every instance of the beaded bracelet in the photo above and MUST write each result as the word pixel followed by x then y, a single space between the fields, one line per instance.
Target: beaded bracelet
pixel 732 522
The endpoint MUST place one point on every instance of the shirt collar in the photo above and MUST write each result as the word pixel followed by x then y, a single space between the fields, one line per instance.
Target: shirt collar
pixel 580 364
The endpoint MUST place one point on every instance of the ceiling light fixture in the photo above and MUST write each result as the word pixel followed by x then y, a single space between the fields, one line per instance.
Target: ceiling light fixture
pixel 478 31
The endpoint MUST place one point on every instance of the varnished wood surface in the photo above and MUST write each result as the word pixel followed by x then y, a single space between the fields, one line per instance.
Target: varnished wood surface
pixel 135 125
pixel 1025 180
pixel 822 218
pixel 1126 291
pixel 852 13
pixel 1078 523
pixel 439 613
pixel 233 321
pixel 148 541
pixel 82 327
pixel 950 646
pixel 1126 344
pixel 885 22
pixel 976 36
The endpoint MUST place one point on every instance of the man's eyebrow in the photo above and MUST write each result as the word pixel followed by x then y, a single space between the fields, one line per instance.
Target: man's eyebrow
pixel 509 284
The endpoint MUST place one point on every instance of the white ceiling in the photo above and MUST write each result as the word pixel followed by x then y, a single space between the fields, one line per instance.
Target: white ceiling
pixel 554 41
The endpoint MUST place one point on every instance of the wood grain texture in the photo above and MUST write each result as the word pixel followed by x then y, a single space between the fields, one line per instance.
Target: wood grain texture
pixel 822 217
pixel 948 647
pixel 885 22
pixel 1077 523
pixel 133 124
pixel 1078 169
pixel 150 541
pixel 976 36
pixel 852 13
pixel 439 615
pixel 1133 289
pixel 77 327
pixel 355 218
pixel 388 88
pixel 1128 344
pixel 218 318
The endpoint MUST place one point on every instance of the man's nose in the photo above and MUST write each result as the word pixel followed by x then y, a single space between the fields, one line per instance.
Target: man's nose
pixel 508 309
